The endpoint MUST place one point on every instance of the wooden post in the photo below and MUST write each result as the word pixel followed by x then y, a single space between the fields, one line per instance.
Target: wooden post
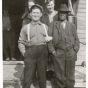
pixel 72 18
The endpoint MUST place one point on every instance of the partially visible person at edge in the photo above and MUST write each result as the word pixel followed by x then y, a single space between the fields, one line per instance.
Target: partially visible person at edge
pixel 8 36
pixel 26 16
pixel 49 14
pixel 63 48
pixel 33 46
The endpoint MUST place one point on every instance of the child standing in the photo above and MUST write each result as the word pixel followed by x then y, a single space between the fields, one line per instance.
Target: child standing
pixel 8 37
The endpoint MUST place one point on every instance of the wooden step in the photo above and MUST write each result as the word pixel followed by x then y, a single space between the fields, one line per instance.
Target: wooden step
pixel 13 62
pixel 11 84
pixel 78 62
pixel 13 78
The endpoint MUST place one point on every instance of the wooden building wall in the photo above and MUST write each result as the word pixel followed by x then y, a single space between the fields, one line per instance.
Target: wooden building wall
pixel 81 28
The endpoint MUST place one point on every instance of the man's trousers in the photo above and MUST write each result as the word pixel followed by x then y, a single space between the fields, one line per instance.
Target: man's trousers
pixel 64 70
pixel 35 56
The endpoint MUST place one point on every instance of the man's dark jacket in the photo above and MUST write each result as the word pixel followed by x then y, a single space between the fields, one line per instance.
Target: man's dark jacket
pixel 55 31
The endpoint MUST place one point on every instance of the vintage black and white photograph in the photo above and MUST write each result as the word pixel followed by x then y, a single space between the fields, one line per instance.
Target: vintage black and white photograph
pixel 44 43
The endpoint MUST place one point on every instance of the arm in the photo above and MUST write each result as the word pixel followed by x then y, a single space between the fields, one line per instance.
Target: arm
pixel 50 44
pixel 24 22
pixel 76 43
pixel 22 40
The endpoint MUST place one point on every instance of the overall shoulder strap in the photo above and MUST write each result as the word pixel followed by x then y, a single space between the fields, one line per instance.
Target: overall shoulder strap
pixel 45 30
pixel 28 31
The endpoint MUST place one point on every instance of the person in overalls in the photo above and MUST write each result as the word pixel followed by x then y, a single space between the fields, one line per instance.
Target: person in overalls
pixel 8 36
pixel 63 48
pixel 33 46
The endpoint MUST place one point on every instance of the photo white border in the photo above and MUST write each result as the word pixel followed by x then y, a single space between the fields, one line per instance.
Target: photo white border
pixel 1 58
pixel 86 43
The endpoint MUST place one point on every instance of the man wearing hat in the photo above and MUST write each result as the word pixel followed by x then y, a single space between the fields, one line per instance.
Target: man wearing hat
pixel 33 46
pixel 64 48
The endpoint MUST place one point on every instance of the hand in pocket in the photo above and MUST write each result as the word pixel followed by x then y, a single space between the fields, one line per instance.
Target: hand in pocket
pixel 54 53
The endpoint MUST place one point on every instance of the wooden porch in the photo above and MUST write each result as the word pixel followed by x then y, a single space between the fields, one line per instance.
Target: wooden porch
pixel 13 75
pixel 13 70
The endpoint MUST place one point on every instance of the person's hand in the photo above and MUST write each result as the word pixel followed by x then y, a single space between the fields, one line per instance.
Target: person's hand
pixel 27 42
pixel 23 54
pixel 54 53
pixel 49 38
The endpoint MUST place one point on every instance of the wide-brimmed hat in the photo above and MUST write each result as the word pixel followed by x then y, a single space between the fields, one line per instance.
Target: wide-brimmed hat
pixel 63 8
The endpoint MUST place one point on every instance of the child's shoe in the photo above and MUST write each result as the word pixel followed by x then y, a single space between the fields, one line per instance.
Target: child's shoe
pixel 13 59
pixel 7 59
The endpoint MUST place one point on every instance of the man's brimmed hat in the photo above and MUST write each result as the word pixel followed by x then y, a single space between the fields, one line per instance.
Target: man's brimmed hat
pixel 63 8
